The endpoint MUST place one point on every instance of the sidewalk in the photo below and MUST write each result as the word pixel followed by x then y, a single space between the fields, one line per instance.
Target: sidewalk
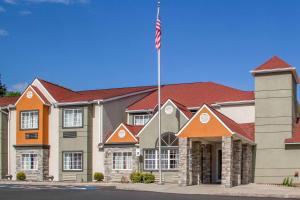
pixel 251 190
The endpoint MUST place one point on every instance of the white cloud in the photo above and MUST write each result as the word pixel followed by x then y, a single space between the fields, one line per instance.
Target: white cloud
pixel 19 87
pixel 3 33
pixel 2 10
pixel 10 1
pixel 25 12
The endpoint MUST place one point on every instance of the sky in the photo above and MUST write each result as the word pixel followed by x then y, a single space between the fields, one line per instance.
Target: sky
pixel 92 44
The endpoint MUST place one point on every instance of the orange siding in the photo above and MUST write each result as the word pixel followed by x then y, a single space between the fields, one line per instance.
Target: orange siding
pixel 214 128
pixel 116 139
pixel 33 103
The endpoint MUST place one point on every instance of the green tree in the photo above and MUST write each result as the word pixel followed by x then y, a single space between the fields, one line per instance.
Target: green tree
pixel 3 89
pixel 13 94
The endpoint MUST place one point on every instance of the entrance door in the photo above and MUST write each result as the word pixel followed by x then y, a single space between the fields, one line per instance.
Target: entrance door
pixel 219 164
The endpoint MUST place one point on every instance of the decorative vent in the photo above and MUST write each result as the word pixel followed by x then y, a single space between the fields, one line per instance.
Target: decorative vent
pixel 31 135
pixel 72 134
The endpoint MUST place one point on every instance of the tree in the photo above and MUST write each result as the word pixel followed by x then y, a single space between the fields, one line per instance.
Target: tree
pixel 3 89
pixel 12 94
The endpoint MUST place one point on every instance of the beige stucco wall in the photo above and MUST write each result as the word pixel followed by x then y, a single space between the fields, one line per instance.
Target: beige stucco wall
pixel 12 142
pixel 239 113
pixel 275 115
pixel 54 142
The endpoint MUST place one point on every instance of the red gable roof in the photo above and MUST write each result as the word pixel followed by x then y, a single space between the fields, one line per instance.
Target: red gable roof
pixel 134 129
pixel 193 95
pixel 40 94
pixel 62 94
pixel 183 109
pixel 273 63
pixel 5 101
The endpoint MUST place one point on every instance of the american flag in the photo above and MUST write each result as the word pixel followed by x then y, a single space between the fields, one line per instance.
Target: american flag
pixel 158 30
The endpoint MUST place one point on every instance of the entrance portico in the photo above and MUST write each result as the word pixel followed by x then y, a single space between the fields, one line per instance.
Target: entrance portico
pixel 214 149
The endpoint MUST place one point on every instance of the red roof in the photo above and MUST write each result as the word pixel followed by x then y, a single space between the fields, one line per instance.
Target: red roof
pixel 40 94
pixel 62 94
pixel 273 63
pixel 246 130
pixel 5 101
pixel 183 109
pixel 296 134
pixel 134 129
pixel 193 95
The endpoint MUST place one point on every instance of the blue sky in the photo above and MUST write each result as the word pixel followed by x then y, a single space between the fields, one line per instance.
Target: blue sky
pixel 89 44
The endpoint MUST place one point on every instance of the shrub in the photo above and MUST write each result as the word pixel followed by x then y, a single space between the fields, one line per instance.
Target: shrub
pixel 98 176
pixel 21 176
pixel 136 177
pixel 287 181
pixel 148 178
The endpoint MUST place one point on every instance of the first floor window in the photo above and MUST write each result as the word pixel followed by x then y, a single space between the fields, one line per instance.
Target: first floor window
pixel 141 119
pixel 29 161
pixel 29 119
pixel 73 117
pixel 72 161
pixel 122 160
pixel 169 159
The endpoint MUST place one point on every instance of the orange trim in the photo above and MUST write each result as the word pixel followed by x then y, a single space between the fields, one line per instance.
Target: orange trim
pixel 214 128
pixel 33 103
pixel 128 138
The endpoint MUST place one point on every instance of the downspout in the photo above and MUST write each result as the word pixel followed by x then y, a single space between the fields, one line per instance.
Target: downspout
pixel 100 122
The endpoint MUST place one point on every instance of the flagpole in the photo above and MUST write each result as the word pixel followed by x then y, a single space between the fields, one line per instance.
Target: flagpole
pixel 159 105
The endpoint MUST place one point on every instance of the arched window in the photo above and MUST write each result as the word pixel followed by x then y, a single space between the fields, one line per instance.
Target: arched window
pixel 169 154
pixel 168 140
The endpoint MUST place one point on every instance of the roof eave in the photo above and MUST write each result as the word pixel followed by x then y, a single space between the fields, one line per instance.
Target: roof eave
pixel 288 69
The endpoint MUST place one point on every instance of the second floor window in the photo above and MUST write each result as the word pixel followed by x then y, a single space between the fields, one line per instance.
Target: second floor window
pixel 29 119
pixel 72 117
pixel 141 119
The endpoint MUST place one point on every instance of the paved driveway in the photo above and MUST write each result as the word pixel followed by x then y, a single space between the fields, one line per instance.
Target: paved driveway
pixel 39 192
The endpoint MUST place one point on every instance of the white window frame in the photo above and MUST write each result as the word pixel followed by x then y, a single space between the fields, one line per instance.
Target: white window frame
pixel 144 118
pixel 31 163
pixel 156 160
pixel 124 160
pixel 29 119
pixel 70 120
pixel 69 165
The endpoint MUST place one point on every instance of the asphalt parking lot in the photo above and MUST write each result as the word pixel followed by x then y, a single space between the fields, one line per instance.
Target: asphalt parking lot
pixel 38 192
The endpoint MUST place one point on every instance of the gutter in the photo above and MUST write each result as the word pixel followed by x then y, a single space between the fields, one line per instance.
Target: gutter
pixel 243 138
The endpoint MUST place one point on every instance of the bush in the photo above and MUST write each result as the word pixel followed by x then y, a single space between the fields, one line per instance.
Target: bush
pixel 136 177
pixel 21 176
pixel 148 178
pixel 98 176
pixel 288 182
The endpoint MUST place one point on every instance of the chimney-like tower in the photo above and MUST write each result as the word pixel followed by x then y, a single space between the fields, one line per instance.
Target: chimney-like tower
pixel 275 118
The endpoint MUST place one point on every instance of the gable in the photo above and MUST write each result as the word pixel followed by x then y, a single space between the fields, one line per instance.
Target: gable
pixel 171 122
pixel 121 135
pixel 29 99
pixel 204 124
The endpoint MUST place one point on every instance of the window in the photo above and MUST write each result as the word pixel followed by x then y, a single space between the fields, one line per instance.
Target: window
pixel 72 161
pixel 72 117
pixel 122 160
pixel 29 119
pixel 29 161
pixel 31 135
pixel 169 154
pixel 169 159
pixel 141 119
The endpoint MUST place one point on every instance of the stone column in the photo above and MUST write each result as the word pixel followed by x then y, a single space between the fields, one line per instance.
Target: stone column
pixel 196 163
pixel 227 161
pixel 184 177
pixel 247 163
pixel 207 164
pixel 237 162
